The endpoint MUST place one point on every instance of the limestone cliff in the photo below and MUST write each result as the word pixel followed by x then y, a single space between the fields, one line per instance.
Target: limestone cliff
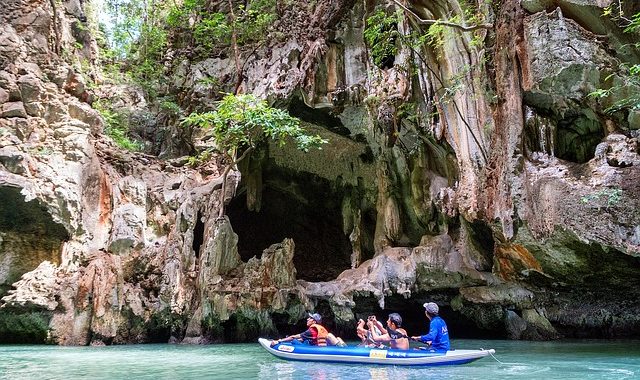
pixel 475 172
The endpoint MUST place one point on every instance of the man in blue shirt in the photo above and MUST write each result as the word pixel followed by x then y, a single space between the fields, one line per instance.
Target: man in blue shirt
pixel 438 336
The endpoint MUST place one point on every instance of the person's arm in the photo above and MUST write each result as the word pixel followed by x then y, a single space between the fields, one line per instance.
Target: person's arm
pixel 289 338
pixel 384 338
pixel 430 336
pixel 286 339
pixel 378 325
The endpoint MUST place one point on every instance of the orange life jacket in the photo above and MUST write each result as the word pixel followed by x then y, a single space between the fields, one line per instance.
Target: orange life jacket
pixel 322 334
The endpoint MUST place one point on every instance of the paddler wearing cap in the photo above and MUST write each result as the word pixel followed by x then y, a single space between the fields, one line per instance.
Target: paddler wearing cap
pixel 395 335
pixel 315 335
pixel 438 336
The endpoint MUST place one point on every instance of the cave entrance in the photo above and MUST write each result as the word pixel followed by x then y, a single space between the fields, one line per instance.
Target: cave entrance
pixel 198 235
pixel 306 210
pixel 573 136
pixel 578 136
pixel 28 236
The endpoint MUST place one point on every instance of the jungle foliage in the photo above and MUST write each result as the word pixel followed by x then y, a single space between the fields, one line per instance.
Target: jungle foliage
pixel 134 39
pixel 240 123
pixel 213 29
pixel 117 125
pixel 624 92
pixel 381 33
pixel 137 32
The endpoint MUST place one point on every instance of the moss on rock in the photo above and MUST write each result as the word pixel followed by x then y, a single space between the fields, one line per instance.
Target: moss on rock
pixel 24 327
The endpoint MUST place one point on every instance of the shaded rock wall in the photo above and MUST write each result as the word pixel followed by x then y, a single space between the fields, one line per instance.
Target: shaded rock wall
pixel 476 173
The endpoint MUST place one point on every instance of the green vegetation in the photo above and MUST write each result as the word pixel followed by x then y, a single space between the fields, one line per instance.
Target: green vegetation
pixel 117 126
pixel 623 94
pixel 250 24
pixel 199 159
pixel 170 107
pixel 247 23
pixel 611 196
pixel 242 122
pixel 136 40
pixel 380 34
pixel 25 327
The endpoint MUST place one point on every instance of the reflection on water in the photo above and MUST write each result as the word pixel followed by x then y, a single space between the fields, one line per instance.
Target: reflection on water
pixel 589 360
pixel 332 371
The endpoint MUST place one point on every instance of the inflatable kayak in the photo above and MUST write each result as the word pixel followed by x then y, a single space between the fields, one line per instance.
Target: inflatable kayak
pixel 365 355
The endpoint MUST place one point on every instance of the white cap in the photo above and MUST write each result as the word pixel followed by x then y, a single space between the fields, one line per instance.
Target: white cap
pixel 431 307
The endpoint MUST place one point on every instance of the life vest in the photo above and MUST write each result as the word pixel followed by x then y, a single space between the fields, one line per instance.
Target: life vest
pixel 322 334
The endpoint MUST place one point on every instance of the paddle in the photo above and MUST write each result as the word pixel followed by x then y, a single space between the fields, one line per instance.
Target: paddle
pixel 395 334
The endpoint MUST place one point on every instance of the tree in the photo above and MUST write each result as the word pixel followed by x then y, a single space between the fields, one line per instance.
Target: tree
pixel 241 123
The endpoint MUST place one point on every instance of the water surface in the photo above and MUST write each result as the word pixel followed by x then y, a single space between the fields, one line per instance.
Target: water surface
pixel 520 360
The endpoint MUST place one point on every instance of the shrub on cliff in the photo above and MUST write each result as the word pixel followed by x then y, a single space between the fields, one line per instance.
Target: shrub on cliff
pixel 241 123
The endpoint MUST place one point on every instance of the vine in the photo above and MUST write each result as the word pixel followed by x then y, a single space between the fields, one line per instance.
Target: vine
pixel 379 28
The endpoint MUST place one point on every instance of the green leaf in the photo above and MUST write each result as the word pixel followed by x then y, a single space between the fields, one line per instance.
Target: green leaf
pixel 242 122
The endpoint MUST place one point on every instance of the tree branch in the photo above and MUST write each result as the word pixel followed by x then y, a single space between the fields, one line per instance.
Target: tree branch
pixel 464 28
pixel 243 156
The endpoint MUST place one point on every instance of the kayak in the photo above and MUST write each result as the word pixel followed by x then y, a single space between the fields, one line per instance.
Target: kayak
pixel 363 355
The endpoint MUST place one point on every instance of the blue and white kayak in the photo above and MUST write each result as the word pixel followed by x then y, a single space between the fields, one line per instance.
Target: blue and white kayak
pixel 363 355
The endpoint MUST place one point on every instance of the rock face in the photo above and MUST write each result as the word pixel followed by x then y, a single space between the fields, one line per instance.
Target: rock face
pixel 475 172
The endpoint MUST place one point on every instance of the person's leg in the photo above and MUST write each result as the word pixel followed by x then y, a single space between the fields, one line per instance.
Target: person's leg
pixel 333 340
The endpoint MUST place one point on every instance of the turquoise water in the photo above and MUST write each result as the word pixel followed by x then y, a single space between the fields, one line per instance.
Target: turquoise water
pixel 520 360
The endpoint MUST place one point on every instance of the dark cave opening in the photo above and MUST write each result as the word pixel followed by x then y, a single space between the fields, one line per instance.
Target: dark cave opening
pixel 321 117
pixel 481 236
pixel 27 217
pixel 577 138
pixel 29 236
pixel 572 136
pixel 285 326
pixel 238 328
pixel 198 235
pixel 414 320
pixel 481 243
pixel 322 251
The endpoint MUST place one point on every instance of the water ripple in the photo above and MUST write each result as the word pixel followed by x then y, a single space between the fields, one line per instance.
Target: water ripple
pixel 522 360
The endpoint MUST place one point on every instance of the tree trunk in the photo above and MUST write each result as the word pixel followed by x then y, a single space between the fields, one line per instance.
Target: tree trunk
pixel 234 44
pixel 227 169
pixel 506 150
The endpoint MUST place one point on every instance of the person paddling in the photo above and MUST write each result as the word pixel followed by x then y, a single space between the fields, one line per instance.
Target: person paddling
pixel 438 335
pixel 315 335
